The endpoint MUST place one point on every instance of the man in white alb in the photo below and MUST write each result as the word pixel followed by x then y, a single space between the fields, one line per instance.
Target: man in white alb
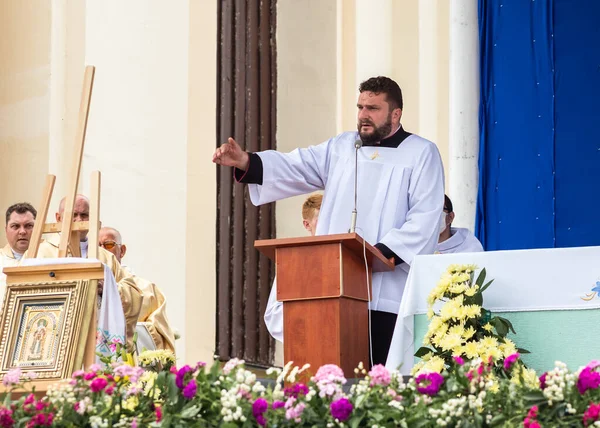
pixel 400 191
pixel 455 239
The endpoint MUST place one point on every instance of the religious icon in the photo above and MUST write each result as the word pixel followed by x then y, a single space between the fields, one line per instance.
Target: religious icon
pixel 37 347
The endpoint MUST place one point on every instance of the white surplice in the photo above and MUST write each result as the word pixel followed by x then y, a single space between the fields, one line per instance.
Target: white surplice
pixel 461 240
pixel 274 314
pixel 400 197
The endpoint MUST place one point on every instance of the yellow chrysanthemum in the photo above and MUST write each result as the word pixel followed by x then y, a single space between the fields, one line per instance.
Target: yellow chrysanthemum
pixel 131 403
pixel 471 350
pixel 458 329
pixel 471 291
pixel 472 311
pixel 488 327
pixel 530 378
pixel 508 348
pixel 435 364
pixel 489 342
pixel 450 341
pixel 468 333
pixel 430 313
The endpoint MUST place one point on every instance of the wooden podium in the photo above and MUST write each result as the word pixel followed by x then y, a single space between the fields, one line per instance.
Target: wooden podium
pixel 322 282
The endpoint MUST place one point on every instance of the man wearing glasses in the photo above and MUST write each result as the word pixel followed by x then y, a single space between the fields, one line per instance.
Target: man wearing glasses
pixel 153 315
pixel 455 239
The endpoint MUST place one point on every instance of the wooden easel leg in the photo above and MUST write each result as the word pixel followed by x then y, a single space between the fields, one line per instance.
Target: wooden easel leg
pixel 38 228
pixel 89 357
pixel 94 224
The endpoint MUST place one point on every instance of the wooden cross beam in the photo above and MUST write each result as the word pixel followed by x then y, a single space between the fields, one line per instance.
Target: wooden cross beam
pixel 69 230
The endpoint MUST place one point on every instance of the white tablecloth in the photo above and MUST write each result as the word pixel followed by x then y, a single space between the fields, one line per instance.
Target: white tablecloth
pixel 524 280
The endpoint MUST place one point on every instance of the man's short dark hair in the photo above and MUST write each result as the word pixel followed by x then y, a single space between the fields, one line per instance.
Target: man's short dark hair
pixel 448 204
pixel 384 85
pixel 20 208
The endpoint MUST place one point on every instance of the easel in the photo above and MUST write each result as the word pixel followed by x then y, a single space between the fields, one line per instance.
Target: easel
pixel 85 352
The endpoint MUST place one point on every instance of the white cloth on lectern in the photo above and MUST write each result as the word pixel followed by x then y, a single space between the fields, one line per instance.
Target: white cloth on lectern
pixel 400 197
pixel 111 319
pixel 274 314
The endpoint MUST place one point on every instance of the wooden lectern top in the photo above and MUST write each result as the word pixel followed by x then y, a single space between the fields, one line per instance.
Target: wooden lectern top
pixel 353 241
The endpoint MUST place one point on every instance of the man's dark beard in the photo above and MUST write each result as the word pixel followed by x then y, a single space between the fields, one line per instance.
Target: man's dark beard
pixel 378 134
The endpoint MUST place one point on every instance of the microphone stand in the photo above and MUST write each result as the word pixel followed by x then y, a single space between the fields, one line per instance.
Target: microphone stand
pixel 357 145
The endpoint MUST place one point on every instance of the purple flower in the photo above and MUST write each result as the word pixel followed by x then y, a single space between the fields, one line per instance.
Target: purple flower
pixel 6 420
pixel 278 404
pixel 429 383
pixel 588 379
pixel 296 390
pixel 98 384
pixel 341 409
pixel 133 373
pixel 190 389
pixel 458 360
pixel 510 360
pixel 181 375
pixel 379 375
pixel 259 407
pixel 543 380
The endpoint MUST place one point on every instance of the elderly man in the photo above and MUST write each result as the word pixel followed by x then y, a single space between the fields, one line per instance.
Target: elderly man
pixel 153 315
pixel 20 219
pixel 131 295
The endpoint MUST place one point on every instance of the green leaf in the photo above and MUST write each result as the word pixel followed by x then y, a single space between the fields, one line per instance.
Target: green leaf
pixel 422 351
pixel 501 328
pixel 480 278
pixel 190 412
pixel 486 286
pixel 534 397
pixel 355 421
pixel 478 299
pixel 508 324
pixel 523 351
pixel 498 420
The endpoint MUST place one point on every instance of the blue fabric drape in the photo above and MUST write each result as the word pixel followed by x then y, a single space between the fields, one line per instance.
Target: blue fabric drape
pixel 538 159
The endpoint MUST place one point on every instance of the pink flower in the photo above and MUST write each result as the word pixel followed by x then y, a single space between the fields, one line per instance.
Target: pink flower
pixel 588 379
pixel 296 390
pixel 379 375
pixel 294 412
pixel 232 364
pixel 510 360
pixel 278 404
pixel 329 372
pixel 200 364
pixel 41 419
pixel 89 376
pixel 133 373
pixel 78 373
pixel 429 383
pixel 29 400
pixel 98 384
pixel 190 389
pixel 259 407
pixel 592 414
pixel 134 423
pixel 112 347
pixel 95 368
pixel 6 420
pixel 12 377
pixel 341 409
pixel 110 390
pixel 458 360
pixel 158 413
pixel 180 377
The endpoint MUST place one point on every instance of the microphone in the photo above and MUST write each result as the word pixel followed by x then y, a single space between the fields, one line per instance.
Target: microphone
pixel 357 145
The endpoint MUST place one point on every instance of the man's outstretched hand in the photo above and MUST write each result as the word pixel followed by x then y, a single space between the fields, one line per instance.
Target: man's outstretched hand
pixel 231 154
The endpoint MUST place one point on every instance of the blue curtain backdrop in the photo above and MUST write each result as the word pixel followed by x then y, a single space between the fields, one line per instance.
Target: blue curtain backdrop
pixel 539 158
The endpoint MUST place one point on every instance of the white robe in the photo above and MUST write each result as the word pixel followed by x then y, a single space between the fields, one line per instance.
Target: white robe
pixel 274 314
pixel 400 197
pixel 461 240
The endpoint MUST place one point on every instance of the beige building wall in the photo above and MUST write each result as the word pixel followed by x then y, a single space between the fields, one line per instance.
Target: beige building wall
pixel 24 101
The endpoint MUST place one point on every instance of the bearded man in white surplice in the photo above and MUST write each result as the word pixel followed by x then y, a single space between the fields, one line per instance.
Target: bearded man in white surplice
pixel 455 239
pixel 20 219
pixel 400 191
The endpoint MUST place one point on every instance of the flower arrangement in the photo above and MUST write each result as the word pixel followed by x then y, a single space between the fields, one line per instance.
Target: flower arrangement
pixel 492 393
pixel 459 325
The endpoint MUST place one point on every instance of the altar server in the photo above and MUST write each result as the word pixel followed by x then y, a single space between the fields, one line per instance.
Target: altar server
pixel 455 239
